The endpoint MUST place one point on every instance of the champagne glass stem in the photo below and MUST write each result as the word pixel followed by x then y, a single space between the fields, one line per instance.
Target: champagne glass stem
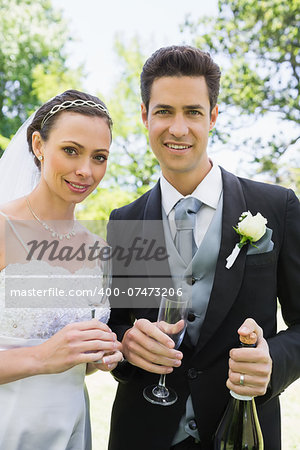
pixel 160 390
pixel 162 381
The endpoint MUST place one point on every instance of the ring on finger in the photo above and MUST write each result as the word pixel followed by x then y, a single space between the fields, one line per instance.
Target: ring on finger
pixel 242 379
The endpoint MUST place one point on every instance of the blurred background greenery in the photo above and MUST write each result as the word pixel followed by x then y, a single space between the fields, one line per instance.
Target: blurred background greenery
pixel 256 43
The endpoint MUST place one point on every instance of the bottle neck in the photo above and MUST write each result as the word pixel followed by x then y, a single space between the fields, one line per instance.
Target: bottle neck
pixel 240 397
pixel 245 345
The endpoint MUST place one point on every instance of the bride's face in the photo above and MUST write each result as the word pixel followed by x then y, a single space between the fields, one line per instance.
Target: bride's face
pixel 74 155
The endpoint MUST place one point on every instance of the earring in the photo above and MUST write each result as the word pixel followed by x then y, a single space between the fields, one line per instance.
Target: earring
pixel 40 157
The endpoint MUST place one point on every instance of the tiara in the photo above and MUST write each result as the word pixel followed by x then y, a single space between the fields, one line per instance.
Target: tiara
pixel 70 104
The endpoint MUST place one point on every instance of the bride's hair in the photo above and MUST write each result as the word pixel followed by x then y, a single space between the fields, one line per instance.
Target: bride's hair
pixel 70 100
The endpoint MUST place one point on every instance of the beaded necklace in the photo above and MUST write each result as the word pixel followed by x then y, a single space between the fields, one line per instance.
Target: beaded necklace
pixel 47 227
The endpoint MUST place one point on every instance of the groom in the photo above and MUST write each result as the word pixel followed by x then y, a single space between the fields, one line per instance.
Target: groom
pixel 180 86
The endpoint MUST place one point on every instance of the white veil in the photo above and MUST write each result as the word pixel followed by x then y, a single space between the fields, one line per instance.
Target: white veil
pixel 18 172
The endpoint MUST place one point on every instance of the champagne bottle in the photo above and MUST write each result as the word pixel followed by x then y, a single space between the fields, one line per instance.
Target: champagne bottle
pixel 239 428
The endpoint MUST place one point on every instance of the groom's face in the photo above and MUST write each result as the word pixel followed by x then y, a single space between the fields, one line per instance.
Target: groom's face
pixel 179 120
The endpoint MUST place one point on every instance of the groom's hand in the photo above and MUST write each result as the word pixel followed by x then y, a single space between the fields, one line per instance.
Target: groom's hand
pixel 146 346
pixel 254 363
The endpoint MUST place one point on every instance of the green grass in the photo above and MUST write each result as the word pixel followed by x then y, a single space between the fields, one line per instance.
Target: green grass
pixel 102 388
pixel 290 416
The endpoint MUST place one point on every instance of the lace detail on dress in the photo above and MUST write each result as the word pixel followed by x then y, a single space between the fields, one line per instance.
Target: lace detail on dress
pixel 31 317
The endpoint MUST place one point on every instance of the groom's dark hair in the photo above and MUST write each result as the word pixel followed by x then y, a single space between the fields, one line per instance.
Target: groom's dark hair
pixel 180 60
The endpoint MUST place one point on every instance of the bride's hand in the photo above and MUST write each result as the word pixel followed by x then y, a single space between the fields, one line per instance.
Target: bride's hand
pixel 76 343
pixel 110 360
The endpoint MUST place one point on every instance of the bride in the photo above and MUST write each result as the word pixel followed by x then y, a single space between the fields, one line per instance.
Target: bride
pixel 53 312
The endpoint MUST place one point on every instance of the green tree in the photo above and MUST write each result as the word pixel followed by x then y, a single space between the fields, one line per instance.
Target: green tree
pixel 132 164
pixel 33 67
pixel 53 79
pixel 96 208
pixel 257 43
pixel 3 144
pixel 290 178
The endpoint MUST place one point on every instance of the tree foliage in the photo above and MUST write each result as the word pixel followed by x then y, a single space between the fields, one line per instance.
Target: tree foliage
pixel 96 208
pixel 257 43
pixel 53 79
pixel 33 66
pixel 132 163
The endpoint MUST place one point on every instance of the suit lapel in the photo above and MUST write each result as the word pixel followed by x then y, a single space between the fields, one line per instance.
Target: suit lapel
pixel 227 282
pixel 153 226
pixel 152 209
pixel 152 229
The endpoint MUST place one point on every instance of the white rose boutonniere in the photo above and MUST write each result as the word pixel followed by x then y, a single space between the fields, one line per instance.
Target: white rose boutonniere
pixel 251 229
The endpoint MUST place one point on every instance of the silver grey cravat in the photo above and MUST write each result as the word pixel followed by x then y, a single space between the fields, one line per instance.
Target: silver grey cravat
pixel 185 217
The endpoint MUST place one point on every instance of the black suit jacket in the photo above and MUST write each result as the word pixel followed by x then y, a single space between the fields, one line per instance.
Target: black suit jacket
pixel 250 288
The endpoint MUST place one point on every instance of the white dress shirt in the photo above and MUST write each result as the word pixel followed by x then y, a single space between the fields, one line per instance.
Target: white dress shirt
pixel 208 192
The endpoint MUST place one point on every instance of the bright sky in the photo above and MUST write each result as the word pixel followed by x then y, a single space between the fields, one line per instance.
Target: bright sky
pixel 94 23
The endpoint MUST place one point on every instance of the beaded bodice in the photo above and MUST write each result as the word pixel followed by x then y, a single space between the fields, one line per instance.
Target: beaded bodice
pixel 22 319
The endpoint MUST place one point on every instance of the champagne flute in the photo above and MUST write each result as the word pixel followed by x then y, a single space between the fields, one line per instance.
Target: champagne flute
pixel 106 266
pixel 106 271
pixel 171 320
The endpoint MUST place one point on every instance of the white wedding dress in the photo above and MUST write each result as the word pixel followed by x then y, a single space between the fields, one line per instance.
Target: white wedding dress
pixel 45 412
